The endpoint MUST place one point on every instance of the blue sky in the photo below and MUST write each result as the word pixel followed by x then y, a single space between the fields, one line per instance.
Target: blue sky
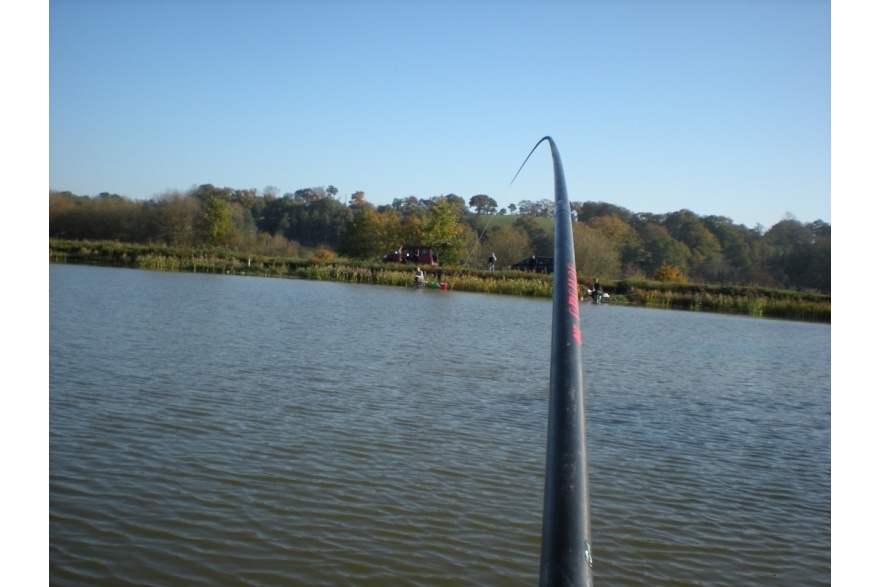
pixel 716 106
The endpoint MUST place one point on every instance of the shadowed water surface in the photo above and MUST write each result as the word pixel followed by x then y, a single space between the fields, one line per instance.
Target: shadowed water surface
pixel 209 430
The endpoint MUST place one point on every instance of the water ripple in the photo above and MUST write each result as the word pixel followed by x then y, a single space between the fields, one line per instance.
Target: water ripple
pixel 276 432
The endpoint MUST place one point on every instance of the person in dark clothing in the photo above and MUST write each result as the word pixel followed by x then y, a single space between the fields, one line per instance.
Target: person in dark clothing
pixel 533 264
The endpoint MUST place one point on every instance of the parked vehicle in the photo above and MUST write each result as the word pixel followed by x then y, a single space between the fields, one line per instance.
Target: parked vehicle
pixel 421 254
pixel 543 265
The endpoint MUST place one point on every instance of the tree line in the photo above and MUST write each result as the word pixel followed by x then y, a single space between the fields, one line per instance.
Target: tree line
pixel 611 242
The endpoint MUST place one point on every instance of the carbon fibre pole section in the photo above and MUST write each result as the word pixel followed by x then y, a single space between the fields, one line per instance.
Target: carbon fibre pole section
pixel 566 551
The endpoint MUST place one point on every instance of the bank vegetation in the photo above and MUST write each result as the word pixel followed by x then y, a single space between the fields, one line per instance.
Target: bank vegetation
pixel 326 265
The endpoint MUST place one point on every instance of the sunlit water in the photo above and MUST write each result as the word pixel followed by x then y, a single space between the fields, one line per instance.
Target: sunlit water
pixel 220 430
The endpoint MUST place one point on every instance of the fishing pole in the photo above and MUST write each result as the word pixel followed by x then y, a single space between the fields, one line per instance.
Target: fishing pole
pixel 566 554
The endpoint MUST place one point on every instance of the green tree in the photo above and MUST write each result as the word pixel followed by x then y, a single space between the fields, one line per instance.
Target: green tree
pixel 540 209
pixel 369 233
pixel 441 227
pixel 587 211
pixel 217 227
pixel 661 248
pixel 785 238
pixel 542 240
pixel 594 254
pixel 509 243
pixel 483 204
pixel 733 239
pixel 687 228
pixel 310 216
pixel 409 206
pixel 800 255
pixel 206 191
pixel 457 203
pixel 309 195
pixel 734 263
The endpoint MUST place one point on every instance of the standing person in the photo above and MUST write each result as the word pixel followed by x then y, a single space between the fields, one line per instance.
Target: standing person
pixel 533 264
pixel 492 259
pixel 419 279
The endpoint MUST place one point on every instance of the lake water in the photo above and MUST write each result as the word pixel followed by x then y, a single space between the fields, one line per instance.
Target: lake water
pixel 222 430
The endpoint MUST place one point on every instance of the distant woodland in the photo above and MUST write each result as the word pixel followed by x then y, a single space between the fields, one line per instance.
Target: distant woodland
pixel 611 242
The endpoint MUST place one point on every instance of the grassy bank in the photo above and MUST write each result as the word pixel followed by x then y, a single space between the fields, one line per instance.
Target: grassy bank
pixel 751 301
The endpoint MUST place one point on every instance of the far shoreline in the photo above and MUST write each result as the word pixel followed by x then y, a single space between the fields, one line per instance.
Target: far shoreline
pixel 736 300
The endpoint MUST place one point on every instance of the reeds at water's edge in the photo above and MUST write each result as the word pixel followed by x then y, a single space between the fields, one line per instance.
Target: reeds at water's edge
pixel 745 300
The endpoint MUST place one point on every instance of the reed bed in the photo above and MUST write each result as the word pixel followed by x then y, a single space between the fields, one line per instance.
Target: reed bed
pixel 757 302
pixel 540 288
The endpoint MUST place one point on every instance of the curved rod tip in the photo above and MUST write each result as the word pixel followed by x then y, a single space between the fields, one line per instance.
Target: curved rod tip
pixel 547 138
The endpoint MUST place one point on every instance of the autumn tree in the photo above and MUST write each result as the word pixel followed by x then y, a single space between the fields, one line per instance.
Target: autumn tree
pixel 411 230
pixel 623 238
pixel 357 201
pixel 62 209
pixel 244 234
pixel 735 246
pixel 177 217
pixel 277 244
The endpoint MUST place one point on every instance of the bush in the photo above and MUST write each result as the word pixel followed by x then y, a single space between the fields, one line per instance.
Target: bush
pixel 324 255
pixel 670 273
